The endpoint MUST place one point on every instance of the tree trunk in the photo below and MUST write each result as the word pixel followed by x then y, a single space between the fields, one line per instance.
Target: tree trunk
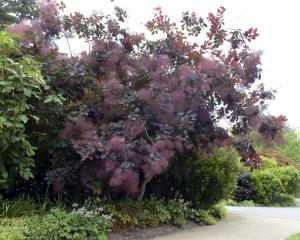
pixel 143 188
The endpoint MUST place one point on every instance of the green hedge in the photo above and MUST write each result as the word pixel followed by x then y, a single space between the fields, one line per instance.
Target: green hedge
pixel 275 185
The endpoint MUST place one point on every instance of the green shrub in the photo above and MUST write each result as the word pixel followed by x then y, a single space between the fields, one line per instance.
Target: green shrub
pixel 219 210
pixel 202 216
pixel 275 185
pixel 284 200
pixel 152 212
pixel 80 224
pixel 179 211
pixel 268 163
pixel 267 186
pixel 290 178
pixel 211 179
pixel 160 211
pixel 21 84
pixel 149 213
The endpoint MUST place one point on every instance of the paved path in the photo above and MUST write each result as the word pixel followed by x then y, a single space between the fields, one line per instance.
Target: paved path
pixel 246 223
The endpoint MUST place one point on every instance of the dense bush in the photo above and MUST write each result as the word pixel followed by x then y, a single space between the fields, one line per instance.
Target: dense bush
pixel 202 180
pixel 275 185
pixel 213 178
pixel 244 189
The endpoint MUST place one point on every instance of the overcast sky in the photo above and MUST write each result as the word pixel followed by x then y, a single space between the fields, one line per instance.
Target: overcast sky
pixel 277 22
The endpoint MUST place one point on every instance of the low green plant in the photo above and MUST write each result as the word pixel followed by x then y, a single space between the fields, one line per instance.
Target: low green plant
pixel 159 210
pixel 80 224
pixel 268 163
pixel 23 206
pixel 202 216
pixel 12 228
pixel 246 203
pixel 179 211
pixel 152 212
pixel 96 218
pixel 218 210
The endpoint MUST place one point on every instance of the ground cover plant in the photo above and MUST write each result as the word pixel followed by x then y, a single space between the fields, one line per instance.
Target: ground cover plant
pixel 96 218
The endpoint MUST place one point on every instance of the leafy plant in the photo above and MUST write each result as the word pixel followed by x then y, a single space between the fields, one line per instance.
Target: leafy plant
pixel 245 203
pixel 218 210
pixel 78 225
pixel 13 11
pixel 179 211
pixel 23 206
pixel 204 180
pixel 275 185
pixel 202 216
pixel 21 83
pixel 12 228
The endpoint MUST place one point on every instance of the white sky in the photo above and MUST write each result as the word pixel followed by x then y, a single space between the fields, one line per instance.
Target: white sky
pixel 277 22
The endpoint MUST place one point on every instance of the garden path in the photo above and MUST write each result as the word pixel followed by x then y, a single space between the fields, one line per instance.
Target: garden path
pixel 247 223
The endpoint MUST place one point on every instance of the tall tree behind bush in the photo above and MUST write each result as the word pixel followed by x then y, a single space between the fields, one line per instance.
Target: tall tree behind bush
pixel 14 11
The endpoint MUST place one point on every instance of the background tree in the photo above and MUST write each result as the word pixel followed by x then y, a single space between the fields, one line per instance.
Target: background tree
pixel 14 11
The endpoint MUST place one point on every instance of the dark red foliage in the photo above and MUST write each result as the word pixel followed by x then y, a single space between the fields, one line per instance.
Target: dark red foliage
pixel 157 98
pixel 251 34
pixel 272 127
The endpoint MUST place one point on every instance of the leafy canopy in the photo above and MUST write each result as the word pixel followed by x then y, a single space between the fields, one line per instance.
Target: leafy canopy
pixel 135 103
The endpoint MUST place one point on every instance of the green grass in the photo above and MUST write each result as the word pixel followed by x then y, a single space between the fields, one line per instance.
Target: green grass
pixel 294 237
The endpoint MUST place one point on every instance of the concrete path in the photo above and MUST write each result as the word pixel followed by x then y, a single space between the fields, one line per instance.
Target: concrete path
pixel 246 223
